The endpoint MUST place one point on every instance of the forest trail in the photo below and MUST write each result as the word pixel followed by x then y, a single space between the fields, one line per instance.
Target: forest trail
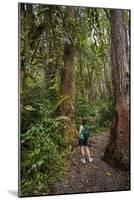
pixel 92 177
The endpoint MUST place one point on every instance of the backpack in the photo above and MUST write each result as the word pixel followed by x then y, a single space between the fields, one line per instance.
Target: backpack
pixel 85 133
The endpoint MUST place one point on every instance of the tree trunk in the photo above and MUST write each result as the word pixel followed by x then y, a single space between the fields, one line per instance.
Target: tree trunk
pixel 26 26
pixel 47 51
pixel 117 151
pixel 67 90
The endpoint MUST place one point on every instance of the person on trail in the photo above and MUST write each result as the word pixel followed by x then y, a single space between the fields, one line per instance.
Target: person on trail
pixel 83 141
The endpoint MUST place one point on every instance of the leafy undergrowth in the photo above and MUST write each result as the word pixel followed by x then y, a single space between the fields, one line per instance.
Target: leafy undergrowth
pixel 99 114
pixel 97 176
pixel 44 155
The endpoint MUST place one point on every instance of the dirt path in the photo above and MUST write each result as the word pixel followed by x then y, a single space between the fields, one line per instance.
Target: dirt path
pixel 92 177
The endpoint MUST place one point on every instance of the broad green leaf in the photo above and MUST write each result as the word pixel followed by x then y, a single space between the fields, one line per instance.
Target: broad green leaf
pixel 29 108
pixel 39 163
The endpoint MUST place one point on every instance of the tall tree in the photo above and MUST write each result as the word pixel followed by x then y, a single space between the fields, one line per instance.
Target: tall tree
pixel 67 89
pixel 117 151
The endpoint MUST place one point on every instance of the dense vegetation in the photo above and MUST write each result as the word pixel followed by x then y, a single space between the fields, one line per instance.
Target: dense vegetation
pixel 48 34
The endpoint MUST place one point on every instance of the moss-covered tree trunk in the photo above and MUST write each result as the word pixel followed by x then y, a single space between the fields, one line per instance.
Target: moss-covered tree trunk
pixel 67 90
pixel 117 151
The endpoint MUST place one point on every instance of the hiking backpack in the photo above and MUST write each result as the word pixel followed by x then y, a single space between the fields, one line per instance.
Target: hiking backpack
pixel 85 132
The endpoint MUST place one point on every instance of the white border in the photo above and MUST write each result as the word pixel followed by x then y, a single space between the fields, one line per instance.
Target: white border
pixel 9 97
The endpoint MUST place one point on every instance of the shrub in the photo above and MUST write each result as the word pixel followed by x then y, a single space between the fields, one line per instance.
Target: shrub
pixel 44 153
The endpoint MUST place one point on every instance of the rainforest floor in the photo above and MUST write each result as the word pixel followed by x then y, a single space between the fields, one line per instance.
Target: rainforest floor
pixel 97 176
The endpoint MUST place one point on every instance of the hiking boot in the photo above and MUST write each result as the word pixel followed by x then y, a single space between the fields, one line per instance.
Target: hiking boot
pixel 90 160
pixel 83 160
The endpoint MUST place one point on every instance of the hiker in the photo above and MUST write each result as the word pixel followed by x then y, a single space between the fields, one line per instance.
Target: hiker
pixel 83 141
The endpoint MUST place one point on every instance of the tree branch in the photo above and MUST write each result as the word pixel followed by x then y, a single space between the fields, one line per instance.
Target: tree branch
pixel 107 13
pixel 65 25
pixel 33 54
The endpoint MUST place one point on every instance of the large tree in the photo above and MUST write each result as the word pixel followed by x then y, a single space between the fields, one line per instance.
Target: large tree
pixel 67 90
pixel 117 151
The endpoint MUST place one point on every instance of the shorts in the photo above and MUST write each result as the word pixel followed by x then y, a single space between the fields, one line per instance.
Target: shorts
pixel 83 142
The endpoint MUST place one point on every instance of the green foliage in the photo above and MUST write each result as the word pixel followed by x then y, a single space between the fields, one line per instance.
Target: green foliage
pixel 99 114
pixel 44 152
pixel 43 157
pixel 29 108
